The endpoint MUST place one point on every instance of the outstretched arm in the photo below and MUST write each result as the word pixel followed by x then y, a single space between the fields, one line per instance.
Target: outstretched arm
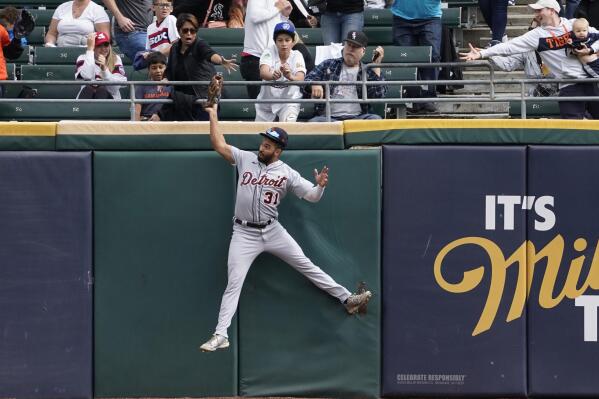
pixel 322 179
pixel 216 137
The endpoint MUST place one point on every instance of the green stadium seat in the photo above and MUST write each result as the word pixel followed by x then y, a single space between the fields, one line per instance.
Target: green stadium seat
pixel 229 51
pixel 24 58
pixel 378 17
pixel 42 17
pixel 223 36
pixel 31 111
pixel 535 109
pixel 452 17
pixel 402 53
pixel 237 111
pixel 65 55
pixel 310 36
pixel 37 36
pixel 379 35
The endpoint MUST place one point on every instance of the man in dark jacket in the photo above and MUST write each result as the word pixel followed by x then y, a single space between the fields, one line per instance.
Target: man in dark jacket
pixel 348 68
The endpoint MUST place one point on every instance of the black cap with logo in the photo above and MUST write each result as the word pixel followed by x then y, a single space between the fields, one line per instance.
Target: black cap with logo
pixel 358 38
pixel 277 135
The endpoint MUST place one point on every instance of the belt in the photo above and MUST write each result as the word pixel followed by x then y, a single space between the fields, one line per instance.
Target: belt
pixel 252 224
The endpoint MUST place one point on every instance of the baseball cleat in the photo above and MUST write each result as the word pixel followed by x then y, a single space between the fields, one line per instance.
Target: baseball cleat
pixel 214 343
pixel 357 301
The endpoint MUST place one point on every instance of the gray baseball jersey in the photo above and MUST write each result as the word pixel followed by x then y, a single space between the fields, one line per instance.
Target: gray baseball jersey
pixel 260 187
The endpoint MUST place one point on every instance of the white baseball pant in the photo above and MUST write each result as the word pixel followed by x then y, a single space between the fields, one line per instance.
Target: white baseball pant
pixel 286 113
pixel 246 244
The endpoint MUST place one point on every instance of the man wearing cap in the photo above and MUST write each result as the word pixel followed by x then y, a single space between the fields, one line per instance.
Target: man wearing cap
pixel 551 41
pixel 348 68
pixel 263 182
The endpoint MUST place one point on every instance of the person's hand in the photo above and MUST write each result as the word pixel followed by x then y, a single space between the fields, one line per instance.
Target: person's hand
pixel 286 70
pixel 212 110
pixel 322 178
pixel 145 54
pixel 229 65
pixel 378 55
pixel 101 61
pixel 317 91
pixel 91 41
pixel 276 74
pixel 312 20
pixel 125 24
pixel 473 54
pixel 583 50
pixel 154 118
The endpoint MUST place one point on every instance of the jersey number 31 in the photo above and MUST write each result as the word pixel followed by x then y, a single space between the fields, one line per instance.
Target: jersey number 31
pixel 271 198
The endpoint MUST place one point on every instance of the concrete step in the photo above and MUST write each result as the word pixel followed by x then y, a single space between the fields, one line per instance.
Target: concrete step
pixel 484 74
pixel 475 35
pixel 483 89
pixel 473 108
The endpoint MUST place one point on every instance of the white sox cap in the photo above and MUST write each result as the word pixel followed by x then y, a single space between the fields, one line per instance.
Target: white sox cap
pixel 545 4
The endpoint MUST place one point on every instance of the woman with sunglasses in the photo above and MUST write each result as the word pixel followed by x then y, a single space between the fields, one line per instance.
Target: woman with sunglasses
pixel 100 63
pixel 191 59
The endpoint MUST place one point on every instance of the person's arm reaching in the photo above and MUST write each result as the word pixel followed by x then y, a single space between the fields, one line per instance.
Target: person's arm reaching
pixel 217 139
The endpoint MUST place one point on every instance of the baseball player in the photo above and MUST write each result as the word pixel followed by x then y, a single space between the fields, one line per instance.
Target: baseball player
pixel 263 182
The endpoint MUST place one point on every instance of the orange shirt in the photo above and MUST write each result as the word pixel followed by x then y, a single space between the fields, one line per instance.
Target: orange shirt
pixel 4 41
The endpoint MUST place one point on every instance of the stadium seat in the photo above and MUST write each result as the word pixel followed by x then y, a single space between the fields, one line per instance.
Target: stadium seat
pixel 379 35
pixel 223 36
pixel 65 55
pixel 42 17
pixel 37 36
pixel 535 109
pixel 452 17
pixel 32 111
pixel 310 36
pixel 237 111
pixel 24 58
pixel 229 51
pixel 378 17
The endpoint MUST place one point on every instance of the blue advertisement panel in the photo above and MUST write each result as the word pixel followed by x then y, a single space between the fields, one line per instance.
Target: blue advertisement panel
pixel 45 275
pixel 454 272
pixel 564 272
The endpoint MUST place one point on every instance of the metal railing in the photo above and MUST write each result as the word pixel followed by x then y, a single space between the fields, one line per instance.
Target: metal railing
pixel 491 97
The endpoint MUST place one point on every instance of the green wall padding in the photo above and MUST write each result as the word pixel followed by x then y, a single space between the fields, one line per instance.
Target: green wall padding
pixel 27 143
pixel 294 339
pixel 162 229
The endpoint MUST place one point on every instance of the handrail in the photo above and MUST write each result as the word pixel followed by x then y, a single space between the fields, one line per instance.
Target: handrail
pixel 327 101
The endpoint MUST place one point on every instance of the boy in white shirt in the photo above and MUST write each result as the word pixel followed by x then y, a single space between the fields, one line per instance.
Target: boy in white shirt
pixel 163 31
pixel 282 64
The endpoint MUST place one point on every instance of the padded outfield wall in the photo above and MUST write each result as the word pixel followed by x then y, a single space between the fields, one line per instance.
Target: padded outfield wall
pixel 481 258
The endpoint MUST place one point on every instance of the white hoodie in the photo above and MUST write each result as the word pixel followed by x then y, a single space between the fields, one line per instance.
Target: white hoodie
pixel 260 19
pixel 551 44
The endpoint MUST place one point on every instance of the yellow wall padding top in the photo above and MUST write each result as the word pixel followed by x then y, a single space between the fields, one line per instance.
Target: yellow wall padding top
pixel 354 126
pixel 28 129
pixel 155 128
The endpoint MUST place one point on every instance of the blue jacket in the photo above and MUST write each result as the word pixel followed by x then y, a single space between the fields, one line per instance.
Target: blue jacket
pixel 331 70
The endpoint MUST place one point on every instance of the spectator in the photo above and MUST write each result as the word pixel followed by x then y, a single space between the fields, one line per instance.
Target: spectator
pixel 551 42
pixel 533 67
pixel 190 59
pixel 73 21
pixel 132 18
pixel 299 19
pixel 213 13
pixel 347 69
pixel 10 49
pixel 156 72
pixel 100 63
pixel 236 14
pixel 495 15
pixel 375 4
pixel 8 18
pixel 341 17
pixel 260 20
pixel 282 64
pixel 418 23
pixel 161 33
pixel 580 39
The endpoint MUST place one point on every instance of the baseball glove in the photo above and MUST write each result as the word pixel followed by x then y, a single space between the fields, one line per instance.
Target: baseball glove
pixel 24 25
pixel 214 90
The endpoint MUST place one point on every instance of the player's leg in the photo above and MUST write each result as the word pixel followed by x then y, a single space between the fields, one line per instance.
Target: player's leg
pixel 245 246
pixel 280 243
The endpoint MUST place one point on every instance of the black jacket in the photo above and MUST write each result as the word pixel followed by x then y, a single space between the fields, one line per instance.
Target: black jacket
pixel 196 62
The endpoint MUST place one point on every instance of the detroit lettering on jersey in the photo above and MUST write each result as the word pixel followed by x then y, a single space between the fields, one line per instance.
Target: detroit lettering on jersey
pixel 158 38
pixel 264 180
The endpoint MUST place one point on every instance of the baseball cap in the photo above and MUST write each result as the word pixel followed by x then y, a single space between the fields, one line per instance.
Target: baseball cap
pixel 284 27
pixel 358 38
pixel 102 38
pixel 277 135
pixel 545 4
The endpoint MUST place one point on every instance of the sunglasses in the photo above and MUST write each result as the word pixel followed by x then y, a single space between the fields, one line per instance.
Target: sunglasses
pixel 189 30
pixel 163 5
